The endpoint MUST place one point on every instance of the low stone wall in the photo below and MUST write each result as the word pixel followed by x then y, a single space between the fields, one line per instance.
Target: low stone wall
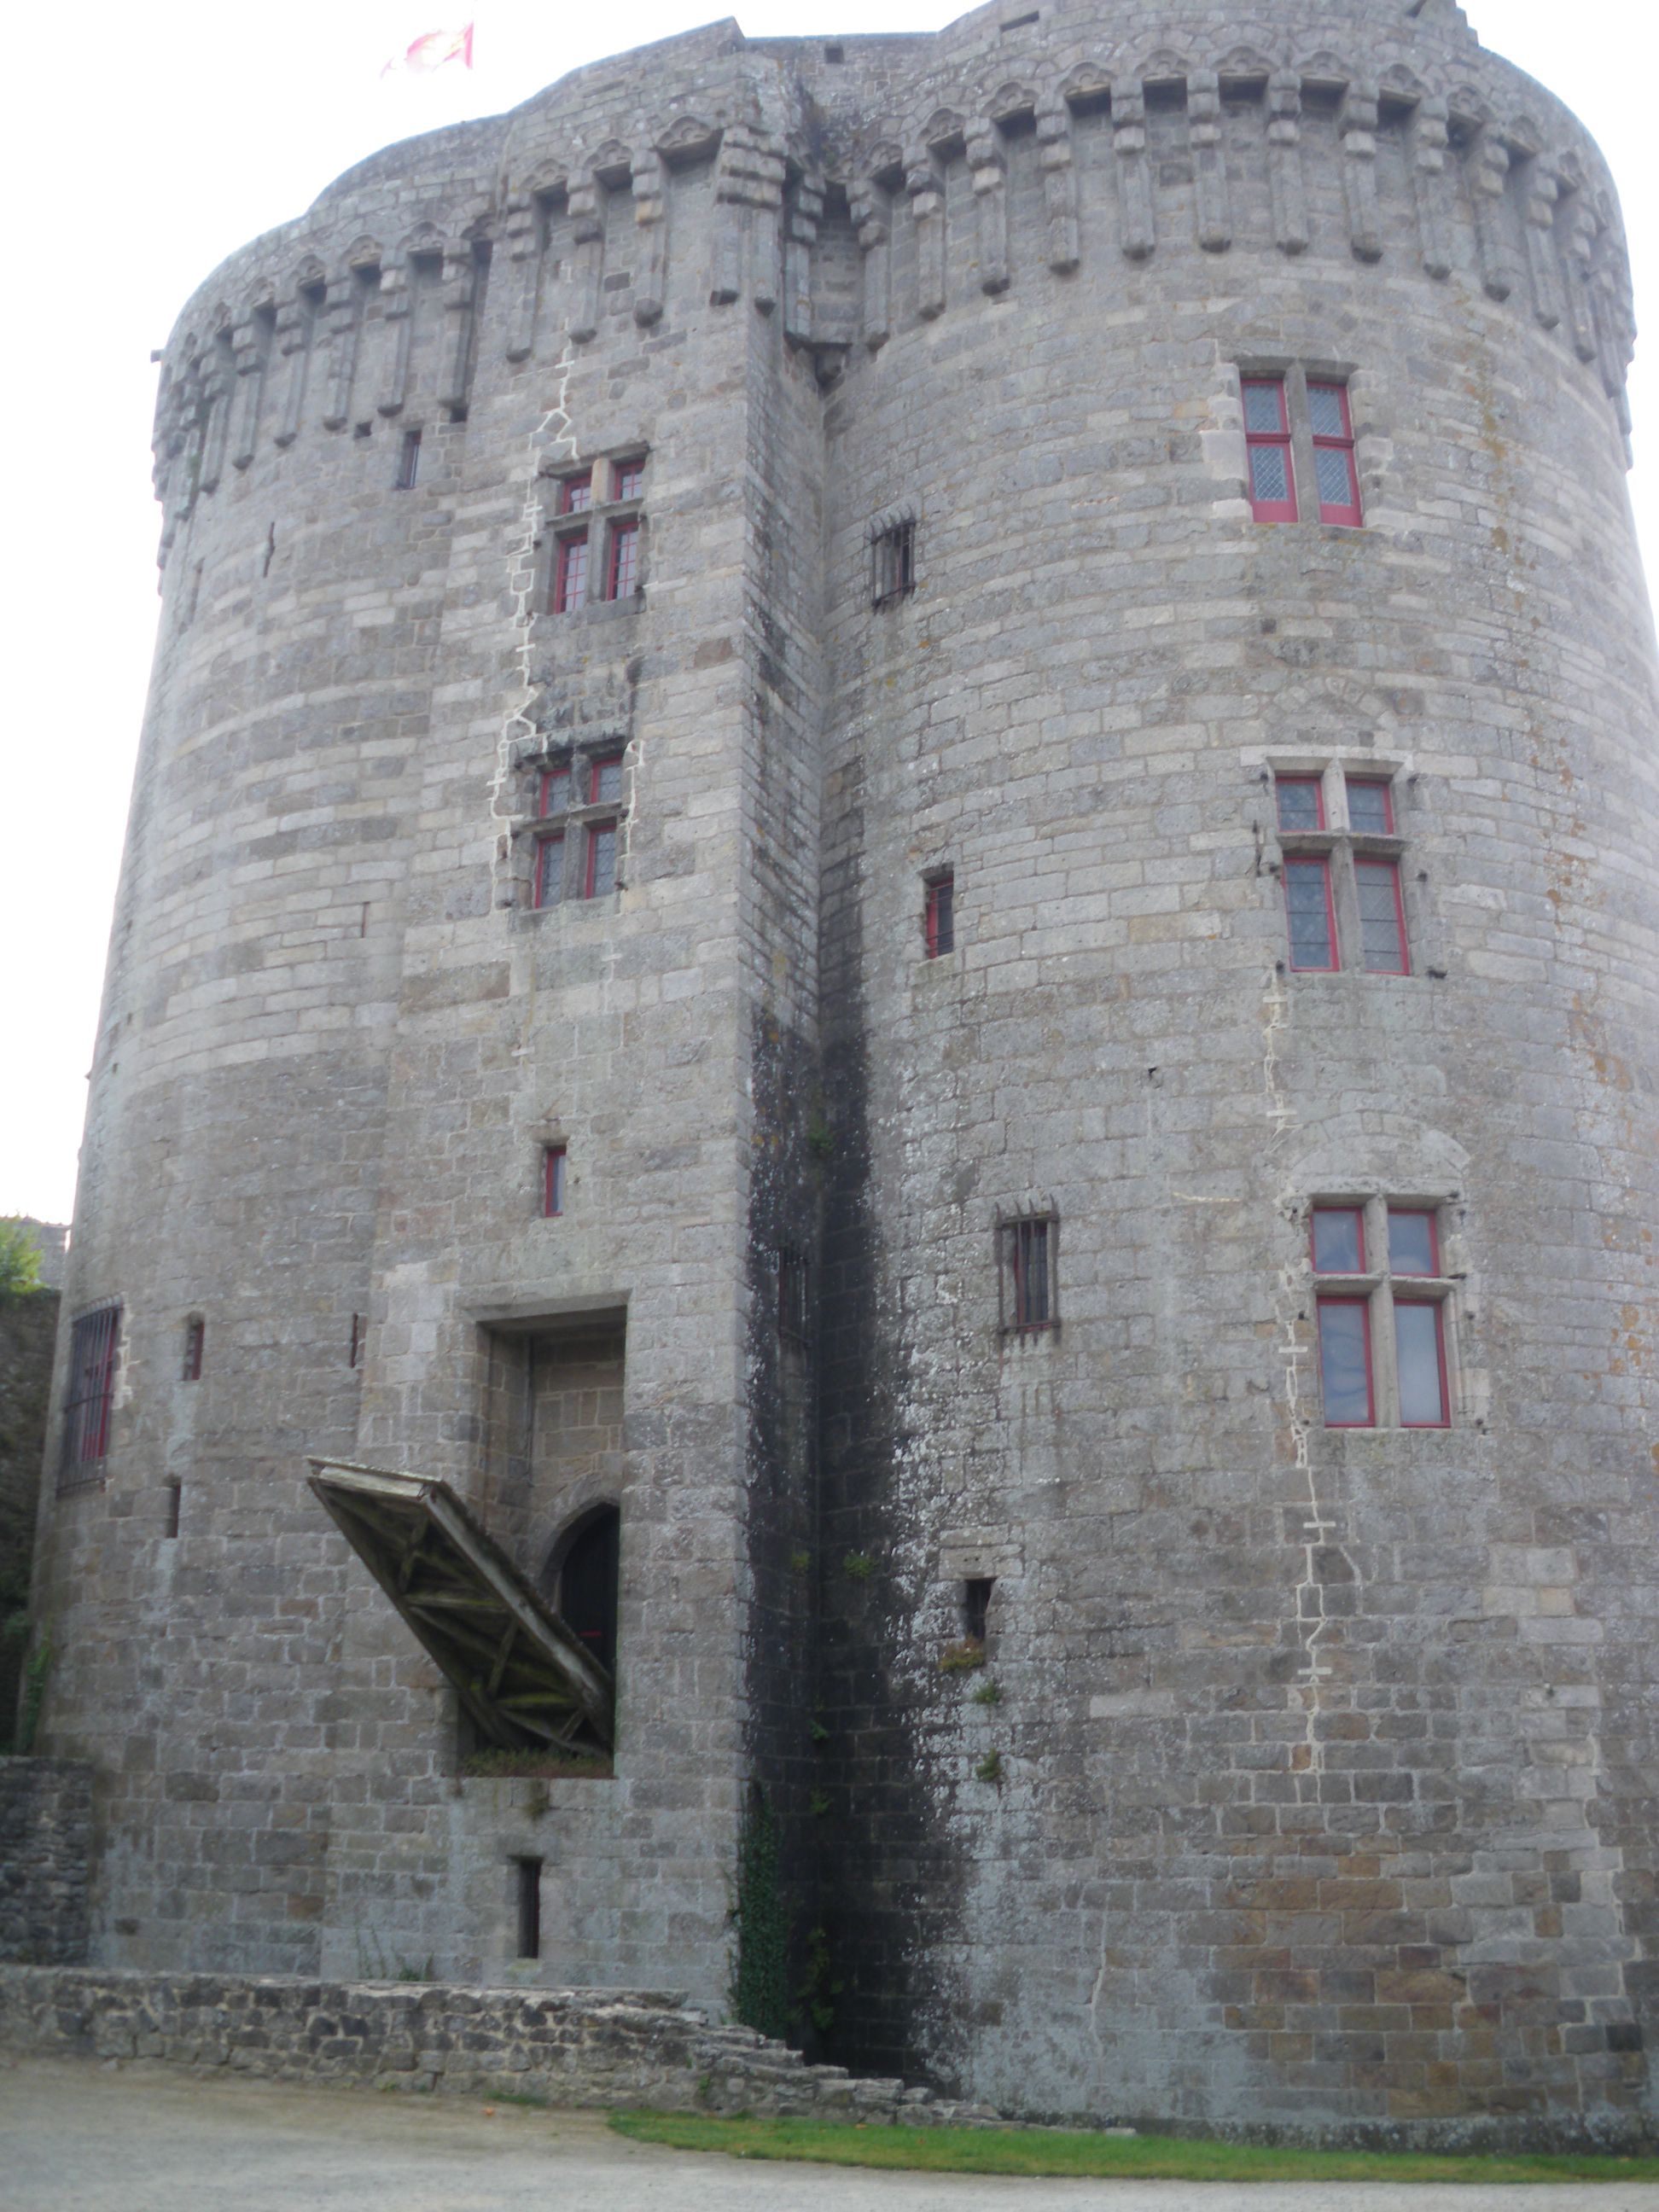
pixel 606 2047
pixel 45 1854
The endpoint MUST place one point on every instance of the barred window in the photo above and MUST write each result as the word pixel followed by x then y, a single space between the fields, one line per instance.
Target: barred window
pixel 894 547
pixel 93 1344
pixel 939 913
pixel 1027 1247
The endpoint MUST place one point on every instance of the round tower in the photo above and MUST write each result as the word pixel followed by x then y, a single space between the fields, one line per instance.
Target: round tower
pixel 892 875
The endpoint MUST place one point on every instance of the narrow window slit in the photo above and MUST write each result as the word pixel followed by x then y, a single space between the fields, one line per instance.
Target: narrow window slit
pixel 530 1907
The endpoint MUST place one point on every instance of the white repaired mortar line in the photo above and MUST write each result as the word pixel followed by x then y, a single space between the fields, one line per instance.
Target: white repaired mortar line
pixel 1282 1116
pixel 521 576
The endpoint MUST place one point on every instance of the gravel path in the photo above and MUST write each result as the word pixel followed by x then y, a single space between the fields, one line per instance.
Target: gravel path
pixel 76 2136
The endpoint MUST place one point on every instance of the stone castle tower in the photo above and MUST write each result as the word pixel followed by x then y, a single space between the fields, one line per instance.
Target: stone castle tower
pixel 893 874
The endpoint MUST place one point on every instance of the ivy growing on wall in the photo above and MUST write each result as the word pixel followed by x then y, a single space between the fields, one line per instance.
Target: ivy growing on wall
pixel 760 1983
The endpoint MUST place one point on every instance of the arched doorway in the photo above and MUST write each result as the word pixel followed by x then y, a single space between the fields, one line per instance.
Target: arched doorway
pixel 585 1569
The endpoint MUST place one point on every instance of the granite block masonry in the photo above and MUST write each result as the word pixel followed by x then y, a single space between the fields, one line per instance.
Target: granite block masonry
pixel 46 1855
pixel 893 870
pixel 585 2047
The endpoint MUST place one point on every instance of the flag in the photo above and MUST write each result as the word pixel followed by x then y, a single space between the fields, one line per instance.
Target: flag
pixel 432 49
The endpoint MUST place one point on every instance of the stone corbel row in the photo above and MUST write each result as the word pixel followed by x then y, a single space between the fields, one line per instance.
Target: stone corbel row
pixel 748 175
pixel 1568 263
pixel 256 366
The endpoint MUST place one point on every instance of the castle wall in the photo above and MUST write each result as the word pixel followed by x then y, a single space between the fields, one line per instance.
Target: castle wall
pixel 1307 1744
pixel 1312 1790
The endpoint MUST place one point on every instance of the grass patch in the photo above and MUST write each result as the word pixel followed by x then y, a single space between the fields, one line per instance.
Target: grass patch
pixel 1081 2153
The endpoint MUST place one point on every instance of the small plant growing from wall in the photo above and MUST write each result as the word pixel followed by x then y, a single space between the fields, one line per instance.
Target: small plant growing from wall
pixel 989 1768
pixel 819 1985
pixel 760 1990
pixel 36 1675
pixel 962 1657
pixel 989 1694
pixel 859 1566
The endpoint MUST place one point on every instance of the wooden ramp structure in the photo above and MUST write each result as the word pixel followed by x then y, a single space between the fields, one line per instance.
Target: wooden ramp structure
pixel 524 1679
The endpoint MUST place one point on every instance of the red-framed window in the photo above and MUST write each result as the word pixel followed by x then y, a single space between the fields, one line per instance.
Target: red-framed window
pixel 1333 462
pixel 1419 1349
pixel 1337 1240
pixel 576 493
pixel 1381 917
pixel 190 1370
pixel 1370 805
pixel 1309 913
pixel 605 781
pixel 550 870
pixel 940 914
pixel 554 794
pixel 93 1344
pixel 1414 1240
pixel 622 575
pixel 600 875
pixel 1345 1362
pixel 553 1179
pixel 1267 449
pixel 570 575
pixel 1029 1302
pixel 629 480
pixel 1299 801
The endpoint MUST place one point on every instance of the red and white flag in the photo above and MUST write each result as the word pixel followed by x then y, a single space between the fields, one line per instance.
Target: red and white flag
pixel 432 49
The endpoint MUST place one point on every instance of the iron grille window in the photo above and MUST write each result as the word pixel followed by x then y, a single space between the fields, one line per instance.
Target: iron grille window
pixel 940 918
pixel 895 551
pixel 93 1344
pixel 1027 1300
pixel 195 1340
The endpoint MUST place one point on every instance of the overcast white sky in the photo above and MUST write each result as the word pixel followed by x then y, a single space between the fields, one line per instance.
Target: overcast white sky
pixel 147 143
